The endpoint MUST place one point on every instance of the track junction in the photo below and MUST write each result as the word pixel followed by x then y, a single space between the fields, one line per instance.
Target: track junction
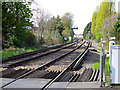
pixel 50 67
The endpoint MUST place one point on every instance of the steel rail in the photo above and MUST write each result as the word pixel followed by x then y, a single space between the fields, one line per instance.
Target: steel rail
pixel 33 52
pixel 43 66
pixel 80 60
pixel 35 57
pixel 70 67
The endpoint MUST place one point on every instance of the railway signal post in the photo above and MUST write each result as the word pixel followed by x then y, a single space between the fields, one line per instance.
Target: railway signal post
pixel 88 34
pixel 72 33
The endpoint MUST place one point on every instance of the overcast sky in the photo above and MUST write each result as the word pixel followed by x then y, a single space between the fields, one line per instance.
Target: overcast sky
pixel 81 9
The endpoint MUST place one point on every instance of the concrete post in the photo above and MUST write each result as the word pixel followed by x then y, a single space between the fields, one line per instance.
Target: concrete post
pixel 102 65
pixel 101 69
pixel 103 50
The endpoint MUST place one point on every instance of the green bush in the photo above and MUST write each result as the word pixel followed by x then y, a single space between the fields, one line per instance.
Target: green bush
pixel 86 29
pixel 60 38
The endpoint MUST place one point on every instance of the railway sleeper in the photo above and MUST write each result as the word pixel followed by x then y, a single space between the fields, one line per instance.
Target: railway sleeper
pixel 47 75
pixel 37 74
pixel 84 75
pixel 57 72
pixel 87 75
pixel 62 78
pixel 7 71
pixel 71 80
pixel 15 73
pixel 96 75
pixel 66 79
pixel 75 79
pixel 79 79
pixel 52 75
pixel 93 74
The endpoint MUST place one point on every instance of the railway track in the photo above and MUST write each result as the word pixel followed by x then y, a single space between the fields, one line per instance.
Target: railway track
pixel 34 52
pixel 66 74
pixel 18 59
pixel 25 67
pixel 43 66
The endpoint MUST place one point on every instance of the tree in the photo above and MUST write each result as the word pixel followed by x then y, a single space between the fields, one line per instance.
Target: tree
pixel 59 25
pixel 67 21
pixel 40 21
pixel 108 29
pixel 87 28
pixel 117 29
pixel 15 23
pixel 56 29
pixel 104 11
pixel 93 24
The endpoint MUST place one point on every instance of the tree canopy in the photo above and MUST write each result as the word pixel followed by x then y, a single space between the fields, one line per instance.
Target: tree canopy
pixel 101 20
pixel 19 30
pixel 117 29
pixel 15 23
pixel 67 21
pixel 87 28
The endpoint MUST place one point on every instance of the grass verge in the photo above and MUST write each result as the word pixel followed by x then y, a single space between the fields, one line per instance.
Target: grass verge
pixel 97 65
pixel 15 51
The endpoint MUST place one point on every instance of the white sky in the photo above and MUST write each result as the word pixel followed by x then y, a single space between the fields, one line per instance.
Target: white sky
pixel 81 9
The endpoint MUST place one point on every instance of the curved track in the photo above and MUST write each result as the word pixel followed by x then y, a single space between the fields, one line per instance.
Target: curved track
pixel 15 60
pixel 46 64
pixel 61 69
